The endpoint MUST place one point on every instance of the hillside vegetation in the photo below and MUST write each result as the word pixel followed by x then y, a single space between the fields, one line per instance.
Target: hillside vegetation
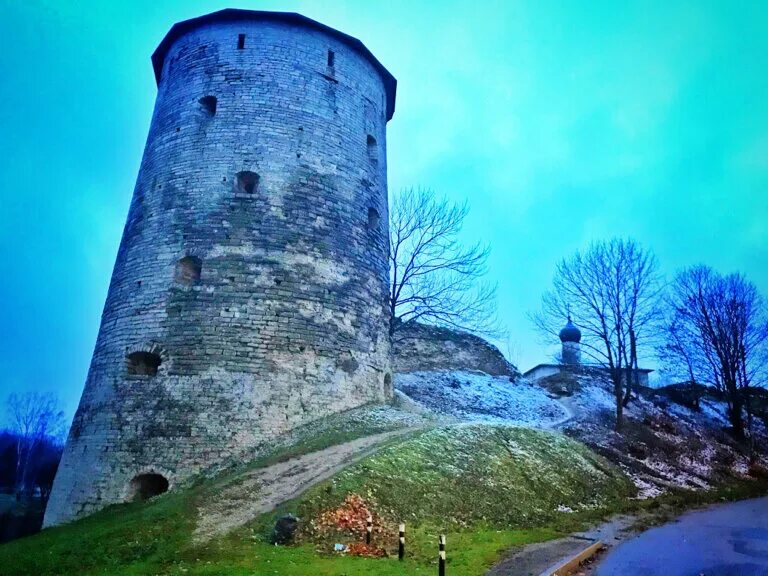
pixel 488 487
pixel 461 476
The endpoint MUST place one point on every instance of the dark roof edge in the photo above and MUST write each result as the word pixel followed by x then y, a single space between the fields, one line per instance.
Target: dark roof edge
pixel 235 14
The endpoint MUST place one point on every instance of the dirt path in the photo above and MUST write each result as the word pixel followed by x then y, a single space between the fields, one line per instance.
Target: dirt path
pixel 259 491
pixel 571 409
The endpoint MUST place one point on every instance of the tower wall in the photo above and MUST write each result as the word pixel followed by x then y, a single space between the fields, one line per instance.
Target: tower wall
pixel 264 297
pixel 571 353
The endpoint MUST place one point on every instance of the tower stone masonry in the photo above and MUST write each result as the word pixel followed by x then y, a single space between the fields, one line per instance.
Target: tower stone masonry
pixel 250 287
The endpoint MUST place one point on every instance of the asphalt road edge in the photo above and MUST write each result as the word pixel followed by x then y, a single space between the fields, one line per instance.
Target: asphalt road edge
pixel 572 563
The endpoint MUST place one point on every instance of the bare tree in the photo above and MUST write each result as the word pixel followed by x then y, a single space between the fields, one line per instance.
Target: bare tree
pixel 612 291
pixel 46 463
pixel 679 354
pixel 34 418
pixel 434 278
pixel 721 324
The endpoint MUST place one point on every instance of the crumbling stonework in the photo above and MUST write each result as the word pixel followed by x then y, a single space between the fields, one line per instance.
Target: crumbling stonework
pixel 249 291
pixel 418 347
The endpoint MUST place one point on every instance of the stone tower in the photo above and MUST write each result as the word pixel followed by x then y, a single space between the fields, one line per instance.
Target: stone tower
pixel 249 292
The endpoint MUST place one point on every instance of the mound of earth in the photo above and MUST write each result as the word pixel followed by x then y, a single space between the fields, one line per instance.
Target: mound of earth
pixel 461 476
pixel 475 396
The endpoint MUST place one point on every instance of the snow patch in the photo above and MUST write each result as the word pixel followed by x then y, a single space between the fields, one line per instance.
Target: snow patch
pixel 592 396
pixel 479 397
pixel 645 489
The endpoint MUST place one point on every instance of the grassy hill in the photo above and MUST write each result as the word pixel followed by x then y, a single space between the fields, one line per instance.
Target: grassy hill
pixel 488 487
pixel 471 474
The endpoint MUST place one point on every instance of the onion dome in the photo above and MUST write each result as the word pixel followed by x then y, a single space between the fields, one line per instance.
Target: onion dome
pixel 570 333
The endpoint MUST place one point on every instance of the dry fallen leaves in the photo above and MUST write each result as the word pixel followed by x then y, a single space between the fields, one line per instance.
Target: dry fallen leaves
pixel 351 517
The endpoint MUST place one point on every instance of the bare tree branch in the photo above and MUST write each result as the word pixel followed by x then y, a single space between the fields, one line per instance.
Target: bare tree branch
pixel 434 278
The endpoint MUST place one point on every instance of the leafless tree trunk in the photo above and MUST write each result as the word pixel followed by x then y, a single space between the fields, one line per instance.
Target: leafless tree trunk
pixel 34 417
pixel 434 278
pixel 678 351
pixel 633 376
pixel 612 292
pixel 719 328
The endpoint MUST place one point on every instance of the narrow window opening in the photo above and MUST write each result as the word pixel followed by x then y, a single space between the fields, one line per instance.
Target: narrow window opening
pixel 372 150
pixel 246 182
pixel 143 363
pixel 208 104
pixel 188 270
pixel 331 58
pixel 388 379
pixel 145 486
pixel 373 219
pixel 240 41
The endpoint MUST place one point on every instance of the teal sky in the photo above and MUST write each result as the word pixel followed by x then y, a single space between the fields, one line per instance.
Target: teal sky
pixel 560 123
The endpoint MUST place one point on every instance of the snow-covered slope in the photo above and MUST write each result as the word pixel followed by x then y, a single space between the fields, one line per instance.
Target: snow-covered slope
pixel 475 396
pixel 663 445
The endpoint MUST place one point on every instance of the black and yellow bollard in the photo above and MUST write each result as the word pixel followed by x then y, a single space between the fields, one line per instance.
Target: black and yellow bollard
pixel 401 546
pixel 368 529
pixel 441 557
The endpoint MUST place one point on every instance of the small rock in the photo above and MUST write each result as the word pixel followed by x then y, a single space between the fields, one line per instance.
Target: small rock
pixel 639 451
pixel 285 529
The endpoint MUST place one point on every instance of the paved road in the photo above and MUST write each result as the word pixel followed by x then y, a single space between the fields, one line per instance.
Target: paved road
pixel 725 540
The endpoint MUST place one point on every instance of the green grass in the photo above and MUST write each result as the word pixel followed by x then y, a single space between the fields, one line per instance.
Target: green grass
pixel 480 474
pixel 468 552
pixel 124 539
pixel 487 487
